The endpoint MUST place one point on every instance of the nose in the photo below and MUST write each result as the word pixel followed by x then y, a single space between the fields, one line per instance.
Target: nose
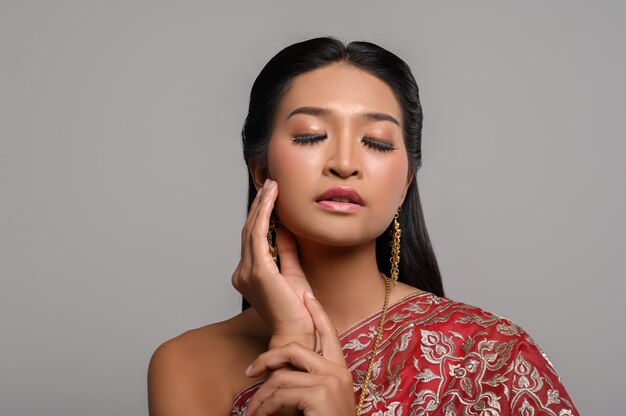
pixel 344 160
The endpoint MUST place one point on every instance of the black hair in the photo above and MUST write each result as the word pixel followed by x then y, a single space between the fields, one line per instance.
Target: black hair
pixel 418 264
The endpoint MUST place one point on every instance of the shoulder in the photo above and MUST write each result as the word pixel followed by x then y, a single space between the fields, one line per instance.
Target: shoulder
pixel 201 370
pixel 458 319
pixel 479 354
pixel 470 329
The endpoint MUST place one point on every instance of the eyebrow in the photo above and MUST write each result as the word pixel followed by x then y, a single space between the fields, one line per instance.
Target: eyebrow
pixel 318 111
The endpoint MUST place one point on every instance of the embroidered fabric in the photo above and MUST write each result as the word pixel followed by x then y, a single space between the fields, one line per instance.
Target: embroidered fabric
pixel 441 357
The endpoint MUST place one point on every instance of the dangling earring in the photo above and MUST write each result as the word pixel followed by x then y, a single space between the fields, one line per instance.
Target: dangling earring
pixel 396 232
pixel 271 233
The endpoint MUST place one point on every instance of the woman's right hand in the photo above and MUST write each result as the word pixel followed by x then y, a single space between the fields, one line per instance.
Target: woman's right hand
pixel 276 295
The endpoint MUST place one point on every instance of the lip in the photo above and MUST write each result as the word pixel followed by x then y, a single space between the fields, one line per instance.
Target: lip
pixel 355 201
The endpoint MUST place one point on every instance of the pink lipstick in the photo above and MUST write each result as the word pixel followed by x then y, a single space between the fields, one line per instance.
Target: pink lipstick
pixel 340 199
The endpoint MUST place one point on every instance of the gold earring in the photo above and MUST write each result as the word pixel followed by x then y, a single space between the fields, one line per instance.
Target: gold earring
pixel 396 232
pixel 271 232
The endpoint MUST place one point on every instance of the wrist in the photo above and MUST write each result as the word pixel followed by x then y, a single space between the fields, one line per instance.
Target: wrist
pixel 279 340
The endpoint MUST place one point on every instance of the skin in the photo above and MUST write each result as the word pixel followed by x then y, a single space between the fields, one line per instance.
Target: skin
pixel 324 256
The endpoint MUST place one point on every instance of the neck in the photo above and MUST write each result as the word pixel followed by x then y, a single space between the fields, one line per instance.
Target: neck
pixel 345 280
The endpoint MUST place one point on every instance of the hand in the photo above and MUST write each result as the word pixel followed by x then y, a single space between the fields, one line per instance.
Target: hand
pixel 317 385
pixel 275 295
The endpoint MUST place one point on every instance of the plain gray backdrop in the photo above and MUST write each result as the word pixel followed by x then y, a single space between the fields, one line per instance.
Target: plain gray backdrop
pixel 122 185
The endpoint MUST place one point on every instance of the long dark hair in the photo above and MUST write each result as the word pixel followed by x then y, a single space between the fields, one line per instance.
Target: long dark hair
pixel 418 265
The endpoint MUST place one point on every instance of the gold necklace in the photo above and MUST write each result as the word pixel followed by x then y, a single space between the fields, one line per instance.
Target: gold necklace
pixel 379 336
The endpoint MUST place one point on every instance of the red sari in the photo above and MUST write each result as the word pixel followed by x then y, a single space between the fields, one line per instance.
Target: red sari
pixel 441 357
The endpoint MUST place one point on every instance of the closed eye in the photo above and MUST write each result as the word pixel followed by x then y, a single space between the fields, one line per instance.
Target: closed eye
pixel 377 144
pixel 312 138
pixel 368 141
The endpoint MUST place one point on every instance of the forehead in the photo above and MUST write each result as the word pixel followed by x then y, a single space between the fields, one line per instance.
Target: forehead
pixel 342 88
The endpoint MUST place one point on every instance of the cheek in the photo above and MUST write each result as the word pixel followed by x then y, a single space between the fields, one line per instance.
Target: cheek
pixel 291 168
pixel 287 163
pixel 391 176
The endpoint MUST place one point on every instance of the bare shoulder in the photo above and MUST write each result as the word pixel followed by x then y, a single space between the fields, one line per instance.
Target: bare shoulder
pixel 201 371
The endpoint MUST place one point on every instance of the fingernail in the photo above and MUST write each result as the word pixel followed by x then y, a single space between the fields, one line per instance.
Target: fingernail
pixel 271 185
pixel 267 181
pixel 309 294
pixel 248 370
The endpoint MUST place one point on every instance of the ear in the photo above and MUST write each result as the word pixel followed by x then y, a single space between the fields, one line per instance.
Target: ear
pixel 409 179
pixel 259 174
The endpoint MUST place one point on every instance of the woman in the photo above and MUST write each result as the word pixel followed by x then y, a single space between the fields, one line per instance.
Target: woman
pixel 347 310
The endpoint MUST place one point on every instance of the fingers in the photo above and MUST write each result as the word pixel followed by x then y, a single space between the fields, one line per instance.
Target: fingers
pixel 255 209
pixel 245 232
pixel 293 353
pixel 283 398
pixel 290 262
pixel 259 206
pixel 329 341
pixel 328 393
pixel 288 251
pixel 261 219
pixel 279 379
pixel 320 394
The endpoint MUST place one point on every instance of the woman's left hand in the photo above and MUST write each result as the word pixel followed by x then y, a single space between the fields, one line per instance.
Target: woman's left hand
pixel 316 384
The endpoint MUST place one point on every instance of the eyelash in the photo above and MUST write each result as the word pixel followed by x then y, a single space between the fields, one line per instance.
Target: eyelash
pixel 368 141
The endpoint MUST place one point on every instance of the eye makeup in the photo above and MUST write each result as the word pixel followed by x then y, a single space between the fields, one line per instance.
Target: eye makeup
pixel 309 138
pixel 378 144
pixel 368 141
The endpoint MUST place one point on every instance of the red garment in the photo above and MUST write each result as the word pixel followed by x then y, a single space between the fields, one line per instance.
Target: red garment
pixel 441 357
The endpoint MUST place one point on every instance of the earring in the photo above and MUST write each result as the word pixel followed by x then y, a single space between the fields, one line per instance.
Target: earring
pixel 396 232
pixel 271 232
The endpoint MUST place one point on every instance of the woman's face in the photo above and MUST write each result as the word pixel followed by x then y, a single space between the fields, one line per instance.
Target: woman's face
pixel 338 134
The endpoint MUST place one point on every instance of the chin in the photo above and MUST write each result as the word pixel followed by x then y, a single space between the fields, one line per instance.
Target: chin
pixel 335 236
pixel 339 230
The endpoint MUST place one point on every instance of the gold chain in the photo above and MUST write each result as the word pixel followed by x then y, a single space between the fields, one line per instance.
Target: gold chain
pixel 395 248
pixel 379 336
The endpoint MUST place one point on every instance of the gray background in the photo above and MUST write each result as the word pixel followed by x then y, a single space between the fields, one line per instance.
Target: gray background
pixel 122 183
